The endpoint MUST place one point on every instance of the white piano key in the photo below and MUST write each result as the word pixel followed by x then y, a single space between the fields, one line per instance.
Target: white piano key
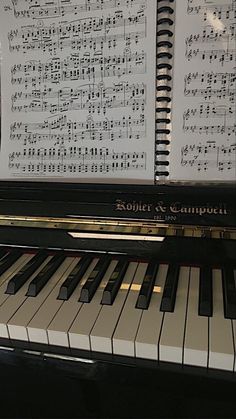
pixel 172 333
pixel 102 332
pixel 146 342
pixel 126 330
pixel 221 346
pixel 58 328
pixel 196 330
pixel 79 333
pixel 35 311
pixel 12 303
pixel 34 334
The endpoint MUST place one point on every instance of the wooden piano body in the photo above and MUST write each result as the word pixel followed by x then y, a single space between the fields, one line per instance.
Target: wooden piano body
pixel 191 228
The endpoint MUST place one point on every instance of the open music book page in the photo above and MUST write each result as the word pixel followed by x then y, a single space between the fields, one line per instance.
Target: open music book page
pixel 78 90
pixel 203 97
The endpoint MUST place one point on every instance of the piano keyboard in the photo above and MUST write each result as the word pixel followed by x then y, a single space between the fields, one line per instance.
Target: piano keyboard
pixel 115 305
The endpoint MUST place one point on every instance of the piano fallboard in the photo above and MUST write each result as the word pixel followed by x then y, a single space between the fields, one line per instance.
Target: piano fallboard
pixel 170 204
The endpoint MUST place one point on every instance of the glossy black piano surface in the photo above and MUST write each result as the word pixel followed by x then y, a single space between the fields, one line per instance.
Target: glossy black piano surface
pixel 202 241
pixel 174 204
pixel 37 387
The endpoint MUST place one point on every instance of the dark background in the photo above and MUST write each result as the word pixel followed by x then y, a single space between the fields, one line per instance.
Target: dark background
pixel 39 388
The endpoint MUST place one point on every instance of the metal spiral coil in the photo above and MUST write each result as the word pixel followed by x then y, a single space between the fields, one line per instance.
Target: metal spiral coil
pixel 165 22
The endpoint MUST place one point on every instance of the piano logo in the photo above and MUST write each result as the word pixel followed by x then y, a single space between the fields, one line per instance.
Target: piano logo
pixel 207 209
pixel 162 207
pixel 134 206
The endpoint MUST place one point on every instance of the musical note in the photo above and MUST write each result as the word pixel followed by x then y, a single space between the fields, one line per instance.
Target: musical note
pixel 210 84
pixel 212 55
pixel 221 41
pixel 61 130
pixel 206 156
pixel 92 33
pixel 224 116
pixel 76 77
pixel 41 9
pixel 76 67
pixel 210 35
pixel 74 160
pixel 217 10
pixel 91 97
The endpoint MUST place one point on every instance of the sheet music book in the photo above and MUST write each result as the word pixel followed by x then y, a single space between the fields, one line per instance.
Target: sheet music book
pixel 118 91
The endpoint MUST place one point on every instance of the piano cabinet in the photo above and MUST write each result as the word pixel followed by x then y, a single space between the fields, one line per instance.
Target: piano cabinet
pixel 43 387
pixel 114 316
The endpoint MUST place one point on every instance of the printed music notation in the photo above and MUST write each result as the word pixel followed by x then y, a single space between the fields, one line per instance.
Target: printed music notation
pixel 94 98
pixel 41 9
pixel 206 156
pixel 211 45
pixel 86 33
pixel 61 130
pixel 211 89
pixel 210 119
pixel 202 131
pixel 83 68
pixel 212 9
pixel 209 85
pixel 79 67
pixel 74 160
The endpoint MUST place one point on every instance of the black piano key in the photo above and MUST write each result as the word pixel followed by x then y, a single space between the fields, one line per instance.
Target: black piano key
pixel 45 274
pixel 114 283
pixel 205 304
pixel 25 272
pixel 94 280
pixel 170 288
pixel 74 277
pixel 147 286
pixel 7 261
pixel 229 292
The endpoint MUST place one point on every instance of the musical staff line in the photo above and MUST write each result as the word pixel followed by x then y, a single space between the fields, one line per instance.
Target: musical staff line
pixel 210 129
pixel 203 157
pixel 212 55
pixel 210 35
pixel 74 160
pixel 74 67
pixel 220 45
pixel 75 76
pixel 42 9
pixel 91 97
pixel 224 116
pixel 62 131
pixel 210 84
pixel 221 11
pixel 210 110
pixel 86 33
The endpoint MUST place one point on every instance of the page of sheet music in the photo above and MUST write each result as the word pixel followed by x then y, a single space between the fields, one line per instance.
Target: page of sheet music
pixel 203 108
pixel 78 89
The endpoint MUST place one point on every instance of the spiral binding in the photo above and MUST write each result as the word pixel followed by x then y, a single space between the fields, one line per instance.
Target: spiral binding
pixel 165 22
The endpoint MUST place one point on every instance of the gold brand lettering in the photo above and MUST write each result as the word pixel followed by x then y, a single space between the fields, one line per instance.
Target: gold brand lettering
pixel 120 205
pixel 134 206
pixel 177 207
pixel 160 207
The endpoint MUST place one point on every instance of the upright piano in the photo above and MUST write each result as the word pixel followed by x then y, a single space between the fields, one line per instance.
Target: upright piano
pixel 120 287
